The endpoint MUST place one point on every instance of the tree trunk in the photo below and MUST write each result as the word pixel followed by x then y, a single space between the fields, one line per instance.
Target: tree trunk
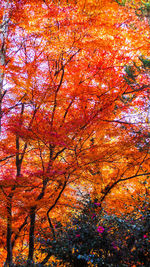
pixel 3 37
pixel 9 261
pixel 31 234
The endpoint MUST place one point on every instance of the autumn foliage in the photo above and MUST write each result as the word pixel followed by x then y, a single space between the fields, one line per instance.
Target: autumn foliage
pixel 74 115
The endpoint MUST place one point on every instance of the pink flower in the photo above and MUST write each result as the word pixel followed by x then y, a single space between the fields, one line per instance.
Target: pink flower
pixel 93 215
pixel 100 229
pixel 78 235
pixel 144 236
pixel 114 246
pixel 97 204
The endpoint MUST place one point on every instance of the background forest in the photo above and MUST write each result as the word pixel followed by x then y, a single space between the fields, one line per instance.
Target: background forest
pixel 74 133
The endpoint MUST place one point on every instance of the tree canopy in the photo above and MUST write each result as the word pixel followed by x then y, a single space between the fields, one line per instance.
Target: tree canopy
pixel 74 113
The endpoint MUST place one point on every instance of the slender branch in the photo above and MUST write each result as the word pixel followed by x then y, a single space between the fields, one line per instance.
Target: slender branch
pixel 51 226
pixel 134 176
pixel 59 152
pixel 8 157
pixel 66 112
pixel 19 230
pixel 109 188
pixel 137 90
pixel 60 193
pixel 56 200
pixel 55 99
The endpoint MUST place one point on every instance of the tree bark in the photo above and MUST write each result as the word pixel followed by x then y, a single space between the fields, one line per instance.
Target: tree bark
pixel 9 261
pixel 31 234
pixel 3 37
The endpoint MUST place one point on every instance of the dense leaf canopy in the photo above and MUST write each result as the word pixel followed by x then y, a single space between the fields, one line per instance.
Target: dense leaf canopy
pixel 74 113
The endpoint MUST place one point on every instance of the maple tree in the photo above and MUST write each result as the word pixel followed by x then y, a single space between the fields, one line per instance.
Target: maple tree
pixel 66 109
